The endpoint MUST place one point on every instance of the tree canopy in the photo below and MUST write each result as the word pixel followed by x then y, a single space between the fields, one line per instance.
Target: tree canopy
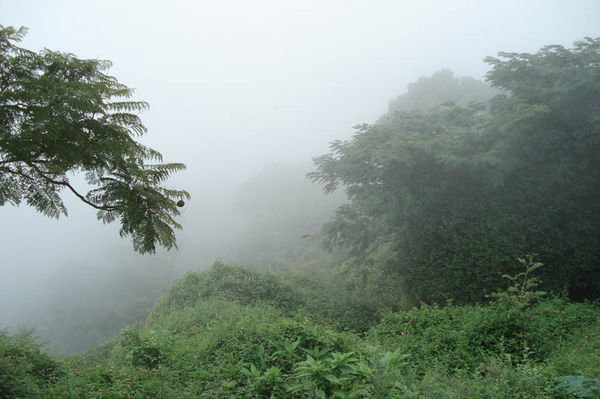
pixel 448 197
pixel 61 115
pixel 441 87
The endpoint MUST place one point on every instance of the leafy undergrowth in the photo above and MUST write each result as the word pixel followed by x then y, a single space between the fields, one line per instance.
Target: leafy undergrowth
pixel 323 296
pixel 234 332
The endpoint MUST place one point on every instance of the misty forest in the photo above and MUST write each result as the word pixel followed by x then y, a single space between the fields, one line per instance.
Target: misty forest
pixel 447 248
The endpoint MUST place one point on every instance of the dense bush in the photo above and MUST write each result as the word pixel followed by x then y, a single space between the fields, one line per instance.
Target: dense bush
pixel 331 298
pixel 233 282
pixel 25 367
pixel 326 296
pixel 464 337
pixel 518 325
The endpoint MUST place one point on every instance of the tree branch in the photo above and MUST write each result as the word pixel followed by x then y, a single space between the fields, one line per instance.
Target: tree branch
pixel 65 184
pixel 33 157
pixel 81 197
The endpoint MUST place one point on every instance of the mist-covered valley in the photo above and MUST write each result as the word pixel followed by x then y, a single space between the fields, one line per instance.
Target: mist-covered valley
pixel 84 301
pixel 386 199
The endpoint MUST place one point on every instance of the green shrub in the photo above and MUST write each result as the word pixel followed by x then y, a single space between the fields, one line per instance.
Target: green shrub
pixel 143 348
pixel 326 297
pixel 329 298
pixel 578 386
pixel 579 354
pixel 518 324
pixel 433 336
pixel 25 367
pixel 236 283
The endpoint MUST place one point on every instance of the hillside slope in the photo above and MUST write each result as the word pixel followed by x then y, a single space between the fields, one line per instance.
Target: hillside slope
pixel 236 332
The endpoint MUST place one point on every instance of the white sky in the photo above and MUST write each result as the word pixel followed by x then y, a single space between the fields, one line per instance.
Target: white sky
pixel 236 85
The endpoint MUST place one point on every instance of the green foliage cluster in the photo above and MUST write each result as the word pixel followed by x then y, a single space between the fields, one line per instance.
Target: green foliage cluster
pixel 442 87
pixel 60 115
pixel 578 386
pixel 459 338
pixel 220 348
pixel 237 283
pixel 25 369
pixel 326 296
pixel 330 299
pixel 143 349
pixel 444 197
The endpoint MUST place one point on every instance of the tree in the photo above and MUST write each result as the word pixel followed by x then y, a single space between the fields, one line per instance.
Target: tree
pixel 442 87
pixel 546 135
pixel 449 197
pixel 60 115
pixel 413 188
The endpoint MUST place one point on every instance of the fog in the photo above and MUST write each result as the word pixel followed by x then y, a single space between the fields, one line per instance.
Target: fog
pixel 235 87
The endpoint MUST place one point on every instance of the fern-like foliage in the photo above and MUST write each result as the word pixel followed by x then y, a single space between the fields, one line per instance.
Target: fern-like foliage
pixel 60 114
pixel 578 386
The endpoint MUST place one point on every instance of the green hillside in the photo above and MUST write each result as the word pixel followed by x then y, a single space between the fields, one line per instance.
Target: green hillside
pixel 236 332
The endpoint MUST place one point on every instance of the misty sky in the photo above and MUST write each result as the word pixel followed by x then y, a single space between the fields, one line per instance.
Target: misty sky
pixel 234 86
